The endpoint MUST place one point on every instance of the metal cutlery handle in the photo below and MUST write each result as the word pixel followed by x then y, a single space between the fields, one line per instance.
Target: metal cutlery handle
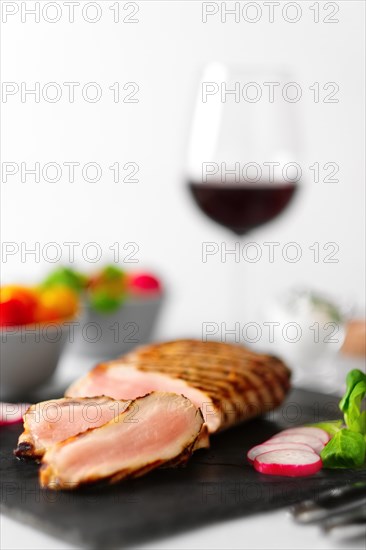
pixel 330 502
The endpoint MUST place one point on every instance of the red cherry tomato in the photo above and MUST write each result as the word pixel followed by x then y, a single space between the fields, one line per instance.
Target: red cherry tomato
pixel 143 283
pixel 17 305
pixel 15 312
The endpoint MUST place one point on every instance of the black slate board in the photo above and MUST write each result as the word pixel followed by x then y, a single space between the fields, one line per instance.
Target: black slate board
pixel 216 484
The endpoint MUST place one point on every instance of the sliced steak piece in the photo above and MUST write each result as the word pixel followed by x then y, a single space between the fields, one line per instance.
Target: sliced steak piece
pixel 155 430
pixel 49 422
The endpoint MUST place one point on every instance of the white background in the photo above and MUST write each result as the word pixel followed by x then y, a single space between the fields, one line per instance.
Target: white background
pixel 164 53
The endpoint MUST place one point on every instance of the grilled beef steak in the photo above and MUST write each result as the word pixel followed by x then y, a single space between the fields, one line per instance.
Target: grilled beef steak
pixel 229 383
pixel 157 429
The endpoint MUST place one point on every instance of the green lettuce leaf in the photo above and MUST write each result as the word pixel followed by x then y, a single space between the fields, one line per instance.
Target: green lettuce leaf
pixel 355 420
pixel 350 404
pixel 345 450
pixel 353 378
pixel 332 426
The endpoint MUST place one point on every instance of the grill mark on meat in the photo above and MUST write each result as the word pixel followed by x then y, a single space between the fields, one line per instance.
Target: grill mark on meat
pixel 231 376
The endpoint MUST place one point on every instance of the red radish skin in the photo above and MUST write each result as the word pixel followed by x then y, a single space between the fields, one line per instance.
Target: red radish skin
pixel 272 446
pixel 290 463
pixel 316 444
pixel 308 430
pixel 12 413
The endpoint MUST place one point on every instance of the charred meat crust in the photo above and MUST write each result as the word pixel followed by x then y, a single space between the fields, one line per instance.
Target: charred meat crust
pixel 26 449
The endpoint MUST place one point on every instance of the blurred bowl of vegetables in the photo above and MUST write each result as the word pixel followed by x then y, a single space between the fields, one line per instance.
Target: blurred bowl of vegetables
pixel 119 312
pixel 34 325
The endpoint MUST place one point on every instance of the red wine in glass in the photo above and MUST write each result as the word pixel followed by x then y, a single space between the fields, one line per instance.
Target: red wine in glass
pixel 242 207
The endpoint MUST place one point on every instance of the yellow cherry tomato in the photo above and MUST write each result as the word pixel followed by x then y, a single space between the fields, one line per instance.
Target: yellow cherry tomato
pixel 57 301
pixel 25 294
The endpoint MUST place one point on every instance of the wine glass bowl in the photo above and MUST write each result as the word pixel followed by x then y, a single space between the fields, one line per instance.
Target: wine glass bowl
pixel 242 207
pixel 241 169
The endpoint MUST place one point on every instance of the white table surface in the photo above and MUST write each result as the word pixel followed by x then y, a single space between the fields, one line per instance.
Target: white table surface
pixel 266 531
pixel 270 531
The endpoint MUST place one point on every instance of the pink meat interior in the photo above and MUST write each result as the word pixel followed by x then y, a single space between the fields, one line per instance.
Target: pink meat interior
pixel 158 429
pixel 55 421
pixel 125 382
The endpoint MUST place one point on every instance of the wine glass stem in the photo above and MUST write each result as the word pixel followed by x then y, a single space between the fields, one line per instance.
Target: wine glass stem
pixel 233 254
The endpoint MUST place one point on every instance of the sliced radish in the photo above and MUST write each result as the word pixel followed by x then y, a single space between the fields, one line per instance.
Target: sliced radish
pixel 11 413
pixel 272 446
pixel 309 430
pixel 316 444
pixel 288 462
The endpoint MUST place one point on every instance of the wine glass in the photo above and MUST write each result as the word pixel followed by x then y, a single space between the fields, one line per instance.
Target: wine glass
pixel 242 167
